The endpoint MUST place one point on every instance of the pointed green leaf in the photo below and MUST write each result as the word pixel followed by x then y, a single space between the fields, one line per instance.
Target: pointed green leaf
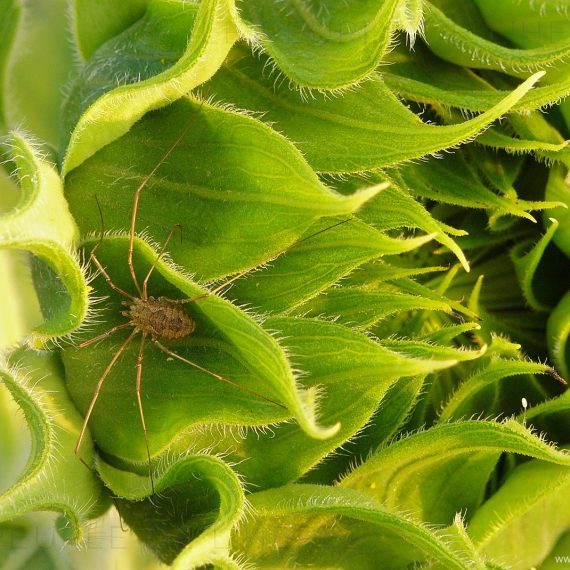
pixel 395 208
pixel 481 392
pixel 330 255
pixel 297 519
pixel 135 83
pixel 423 77
pixel 239 192
pixel 399 282
pixel 359 308
pixel 428 350
pixel 378 272
pixel 454 180
pixel 360 133
pixel 456 458
pixel 526 263
pixel 497 139
pixel 226 341
pixel 533 129
pixel 351 372
pixel 447 333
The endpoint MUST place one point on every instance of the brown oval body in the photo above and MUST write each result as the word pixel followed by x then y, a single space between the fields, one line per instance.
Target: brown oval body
pixel 161 318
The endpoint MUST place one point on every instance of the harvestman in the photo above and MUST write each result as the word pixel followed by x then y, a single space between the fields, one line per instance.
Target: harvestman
pixel 159 318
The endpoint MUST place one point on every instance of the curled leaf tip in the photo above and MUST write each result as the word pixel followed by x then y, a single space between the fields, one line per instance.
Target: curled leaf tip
pixel 308 420
pixel 312 429
pixel 381 186
pixel 421 240
pixel 536 76
pixel 319 432
pixel 363 195
pixel 480 351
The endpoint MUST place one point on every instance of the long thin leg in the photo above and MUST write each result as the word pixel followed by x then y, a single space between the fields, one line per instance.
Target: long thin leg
pixel 217 376
pixel 104 335
pixel 95 260
pixel 96 395
pixel 161 253
pixel 138 191
pixel 229 281
pixel 139 400
pixel 216 290
pixel 100 267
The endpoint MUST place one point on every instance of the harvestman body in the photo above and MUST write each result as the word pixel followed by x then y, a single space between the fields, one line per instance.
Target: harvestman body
pixel 159 318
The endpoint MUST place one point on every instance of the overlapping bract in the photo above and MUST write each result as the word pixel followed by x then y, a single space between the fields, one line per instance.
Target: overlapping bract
pixel 394 326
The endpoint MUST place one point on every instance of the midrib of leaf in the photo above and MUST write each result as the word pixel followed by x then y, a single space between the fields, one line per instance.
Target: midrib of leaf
pixel 221 195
